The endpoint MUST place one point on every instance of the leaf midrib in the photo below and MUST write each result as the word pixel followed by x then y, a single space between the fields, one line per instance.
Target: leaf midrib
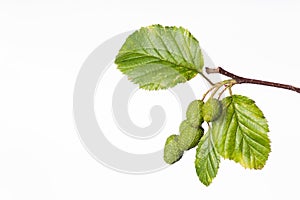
pixel 162 59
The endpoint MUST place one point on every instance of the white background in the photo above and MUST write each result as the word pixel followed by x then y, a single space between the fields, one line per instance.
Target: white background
pixel 42 47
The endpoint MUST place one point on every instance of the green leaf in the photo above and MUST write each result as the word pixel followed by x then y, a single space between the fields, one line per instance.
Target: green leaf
pixel 241 132
pixel 158 57
pixel 207 159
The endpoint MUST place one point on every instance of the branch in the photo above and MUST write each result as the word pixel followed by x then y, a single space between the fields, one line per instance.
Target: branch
pixel 240 80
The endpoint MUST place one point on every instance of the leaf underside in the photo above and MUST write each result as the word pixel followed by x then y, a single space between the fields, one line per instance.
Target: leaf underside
pixel 158 57
pixel 240 134
pixel 207 159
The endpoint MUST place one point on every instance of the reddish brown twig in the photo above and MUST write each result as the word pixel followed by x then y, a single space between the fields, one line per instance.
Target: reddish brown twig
pixel 240 80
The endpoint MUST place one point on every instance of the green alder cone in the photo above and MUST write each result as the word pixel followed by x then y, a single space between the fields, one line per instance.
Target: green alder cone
pixel 172 152
pixel 211 109
pixel 194 113
pixel 189 136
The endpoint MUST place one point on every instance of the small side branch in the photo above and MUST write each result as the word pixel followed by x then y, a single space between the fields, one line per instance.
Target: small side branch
pixel 240 80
